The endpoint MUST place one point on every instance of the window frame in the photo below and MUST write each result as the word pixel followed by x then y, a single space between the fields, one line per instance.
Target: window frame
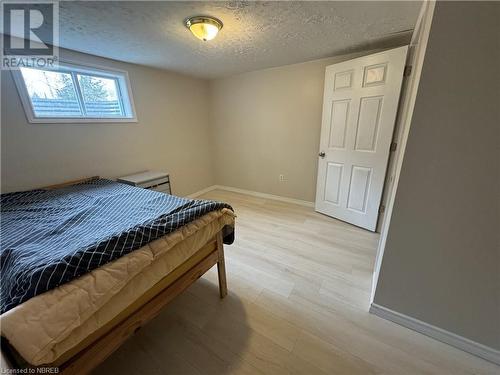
pixel 123 86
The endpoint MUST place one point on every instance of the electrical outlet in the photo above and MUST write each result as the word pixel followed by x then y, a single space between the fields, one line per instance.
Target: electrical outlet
pixel 282 177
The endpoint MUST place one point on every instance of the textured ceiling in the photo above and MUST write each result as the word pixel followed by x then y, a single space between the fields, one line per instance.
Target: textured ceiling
pixel 255 34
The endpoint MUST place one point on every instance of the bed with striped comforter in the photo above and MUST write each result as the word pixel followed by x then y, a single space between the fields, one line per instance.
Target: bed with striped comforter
pixel 50 237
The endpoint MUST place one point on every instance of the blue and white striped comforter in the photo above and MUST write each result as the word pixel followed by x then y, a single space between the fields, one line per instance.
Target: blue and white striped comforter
pixel 49 237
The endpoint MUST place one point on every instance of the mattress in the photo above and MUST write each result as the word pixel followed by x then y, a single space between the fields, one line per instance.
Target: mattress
pixel 47 327
pixel 50 237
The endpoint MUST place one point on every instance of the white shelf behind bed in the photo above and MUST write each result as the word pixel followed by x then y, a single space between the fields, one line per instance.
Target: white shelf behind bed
pixel 158 181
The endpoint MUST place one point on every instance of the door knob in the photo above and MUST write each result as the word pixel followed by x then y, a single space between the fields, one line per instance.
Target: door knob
pixel 321 154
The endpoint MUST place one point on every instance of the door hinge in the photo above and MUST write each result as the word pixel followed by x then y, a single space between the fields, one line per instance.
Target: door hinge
pixel 407 71
pixel 394 146
pixel 381 209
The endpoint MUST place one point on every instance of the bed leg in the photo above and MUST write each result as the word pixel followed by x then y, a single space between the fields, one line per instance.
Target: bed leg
pixel 221 267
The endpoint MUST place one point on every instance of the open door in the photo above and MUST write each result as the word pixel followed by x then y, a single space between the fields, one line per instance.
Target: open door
pixel 359 111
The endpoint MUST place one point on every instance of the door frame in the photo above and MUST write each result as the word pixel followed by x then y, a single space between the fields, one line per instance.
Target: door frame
pixel 415 59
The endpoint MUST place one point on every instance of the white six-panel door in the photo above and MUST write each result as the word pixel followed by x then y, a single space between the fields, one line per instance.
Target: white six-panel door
pixel 359 111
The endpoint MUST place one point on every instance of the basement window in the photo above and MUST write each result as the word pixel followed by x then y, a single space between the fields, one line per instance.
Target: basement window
pixel 72 93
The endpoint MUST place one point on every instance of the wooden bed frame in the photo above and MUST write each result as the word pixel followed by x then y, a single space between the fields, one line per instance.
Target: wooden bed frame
pixel 108 339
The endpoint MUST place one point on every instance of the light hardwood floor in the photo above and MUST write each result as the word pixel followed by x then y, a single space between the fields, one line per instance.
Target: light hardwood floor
pixel 299 287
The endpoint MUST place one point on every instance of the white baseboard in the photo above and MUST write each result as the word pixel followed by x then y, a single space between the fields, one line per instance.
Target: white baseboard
pixel 437 333
pixel 202 191
pixel 254 194
pixel 266 196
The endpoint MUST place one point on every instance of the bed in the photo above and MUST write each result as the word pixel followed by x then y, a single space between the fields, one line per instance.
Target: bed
pixel 86 264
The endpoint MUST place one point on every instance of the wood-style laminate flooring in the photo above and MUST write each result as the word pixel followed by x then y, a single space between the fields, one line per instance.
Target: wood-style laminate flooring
pixel 299 286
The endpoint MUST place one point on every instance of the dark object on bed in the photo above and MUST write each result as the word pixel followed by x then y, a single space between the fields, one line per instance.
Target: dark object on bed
pixel 49 237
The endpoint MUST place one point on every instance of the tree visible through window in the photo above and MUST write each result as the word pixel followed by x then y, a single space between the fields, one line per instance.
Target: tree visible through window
pixel 100 95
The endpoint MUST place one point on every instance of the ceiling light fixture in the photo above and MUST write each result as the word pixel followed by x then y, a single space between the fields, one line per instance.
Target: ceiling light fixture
pixel 204 27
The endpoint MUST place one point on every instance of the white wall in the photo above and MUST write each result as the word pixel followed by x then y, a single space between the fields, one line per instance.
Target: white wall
pixel 172 135
pixel 266 123
pixel 442 256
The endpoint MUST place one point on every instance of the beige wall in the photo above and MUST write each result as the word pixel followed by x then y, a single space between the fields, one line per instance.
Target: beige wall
pixel 242 131
pixel 172 135
pixel 266 123
pixel 442 257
